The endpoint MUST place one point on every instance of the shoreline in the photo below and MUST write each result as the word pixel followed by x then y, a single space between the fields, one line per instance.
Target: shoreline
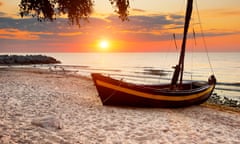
pixel 29 97
pixel 214 101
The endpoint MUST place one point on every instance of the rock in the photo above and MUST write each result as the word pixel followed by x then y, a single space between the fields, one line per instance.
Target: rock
pixel 48 122
pixel 28 59
pixel 225 101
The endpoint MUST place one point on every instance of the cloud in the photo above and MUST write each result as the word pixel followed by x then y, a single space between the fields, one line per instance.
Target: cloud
pixel 152 25
pixel 224 12
pixel 230 12
pixel 138 10
pixel 136 22
pixel 151 28
pixel 59 34
pixel 16 34
pixel 2 14
pixel 28 24
pixel 145 22
pixel 70 34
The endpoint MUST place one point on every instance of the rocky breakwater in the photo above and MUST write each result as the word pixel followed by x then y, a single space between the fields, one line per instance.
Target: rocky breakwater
pixel 25 60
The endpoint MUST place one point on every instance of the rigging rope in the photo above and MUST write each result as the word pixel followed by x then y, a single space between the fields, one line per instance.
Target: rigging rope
pixel 203 37
pixel 194 36
pixel 174 37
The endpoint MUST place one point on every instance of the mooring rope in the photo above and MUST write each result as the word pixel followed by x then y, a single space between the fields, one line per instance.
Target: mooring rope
pixel 113 93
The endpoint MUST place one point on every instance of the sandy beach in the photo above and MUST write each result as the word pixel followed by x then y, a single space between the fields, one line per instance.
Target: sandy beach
pixel 43 107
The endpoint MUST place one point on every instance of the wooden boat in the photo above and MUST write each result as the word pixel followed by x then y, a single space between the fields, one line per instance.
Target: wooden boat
pixel 176 94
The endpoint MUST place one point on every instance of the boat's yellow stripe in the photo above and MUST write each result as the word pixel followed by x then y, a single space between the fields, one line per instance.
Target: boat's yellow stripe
pixel 152 96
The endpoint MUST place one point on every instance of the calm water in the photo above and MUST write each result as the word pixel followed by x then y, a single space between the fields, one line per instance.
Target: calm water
pixel 146 67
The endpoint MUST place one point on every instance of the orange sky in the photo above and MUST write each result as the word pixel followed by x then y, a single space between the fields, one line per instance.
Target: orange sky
pixel 150 28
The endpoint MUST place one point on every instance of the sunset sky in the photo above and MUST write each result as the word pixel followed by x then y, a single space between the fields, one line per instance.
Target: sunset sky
pixel 150 29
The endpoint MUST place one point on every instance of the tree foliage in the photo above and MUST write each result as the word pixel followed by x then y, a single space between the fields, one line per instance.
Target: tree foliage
pixel 121 8
pixel 76 10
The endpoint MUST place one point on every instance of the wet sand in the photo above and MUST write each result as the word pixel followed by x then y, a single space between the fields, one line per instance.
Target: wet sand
pixel 43 107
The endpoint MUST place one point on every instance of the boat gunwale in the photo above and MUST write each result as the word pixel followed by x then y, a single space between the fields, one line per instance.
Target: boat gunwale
pixel 147 88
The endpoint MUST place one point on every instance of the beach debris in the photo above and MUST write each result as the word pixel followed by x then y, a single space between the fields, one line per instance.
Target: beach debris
pixel 48 122
pixel 225 101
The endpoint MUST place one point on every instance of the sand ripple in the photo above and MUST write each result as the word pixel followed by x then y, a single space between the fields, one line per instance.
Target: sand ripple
pixel 26 95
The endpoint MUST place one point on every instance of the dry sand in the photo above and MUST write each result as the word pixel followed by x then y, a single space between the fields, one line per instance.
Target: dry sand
pixel 45 108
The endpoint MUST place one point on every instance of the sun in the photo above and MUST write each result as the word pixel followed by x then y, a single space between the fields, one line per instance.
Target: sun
pixel 104 44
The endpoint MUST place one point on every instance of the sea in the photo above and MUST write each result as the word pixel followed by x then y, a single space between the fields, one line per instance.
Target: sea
pixel 155 68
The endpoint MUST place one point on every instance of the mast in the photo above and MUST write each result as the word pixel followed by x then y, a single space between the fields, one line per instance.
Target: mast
pixel 180 67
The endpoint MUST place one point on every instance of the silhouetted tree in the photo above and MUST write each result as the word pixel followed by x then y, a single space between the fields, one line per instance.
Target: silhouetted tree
pixel 75 9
